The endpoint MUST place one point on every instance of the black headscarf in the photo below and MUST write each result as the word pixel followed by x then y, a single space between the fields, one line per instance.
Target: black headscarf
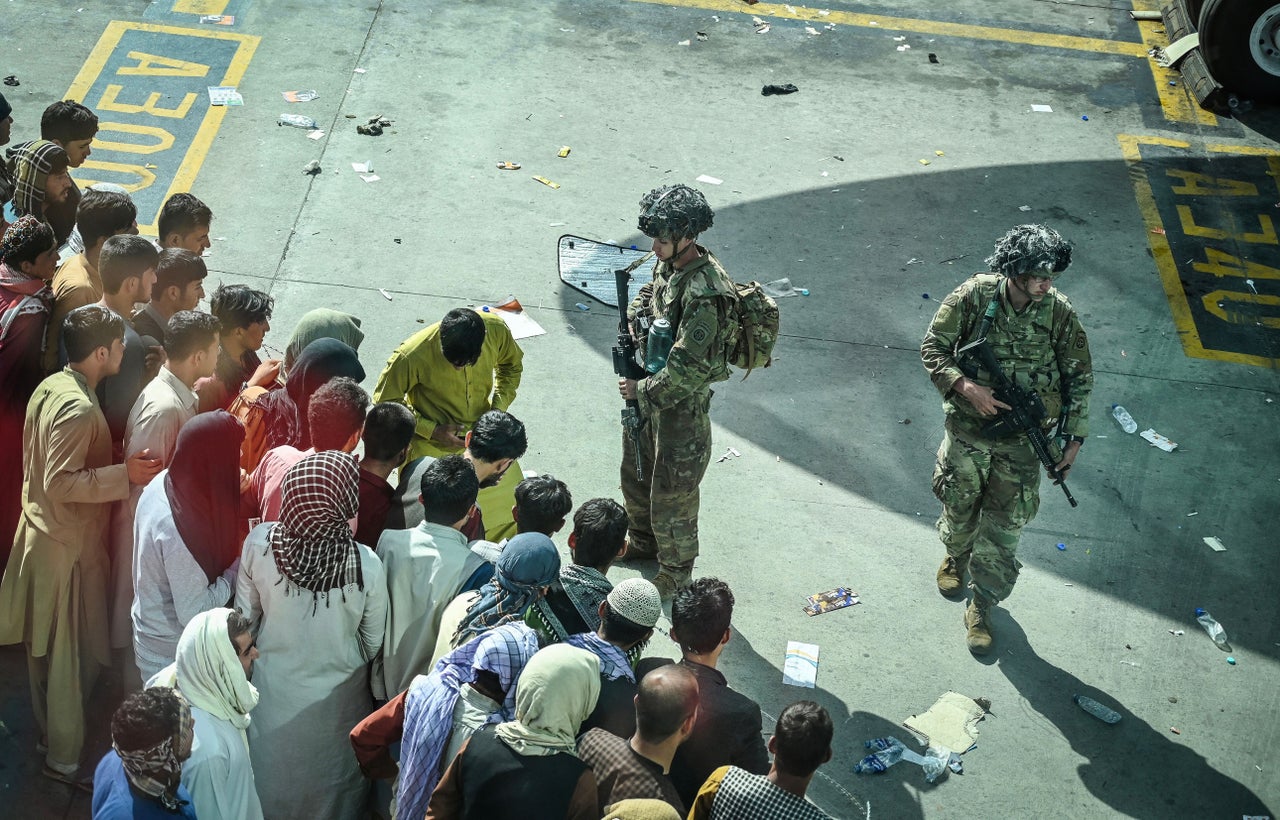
pixel 203 485
pixel 320 361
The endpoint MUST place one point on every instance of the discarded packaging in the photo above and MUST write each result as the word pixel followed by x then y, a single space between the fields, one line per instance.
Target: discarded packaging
pixel 1214 629
pixel 300 96
pixel 563 152
pixel 728 454
pixel 312 167
pixel 1176 632
pixel 386 295
pixel 224 95
pixel 218 19
pixel 1175 730
pixel 702 36
pixel 822 602
pixel 811 31
pixel 781 288
pixel 951 722
pixel 771 90
pixel 890 750
pixel 1157 440
pixel 1123 417
pixel 904 47
pixel 1042 109
pixel 926 162
pixel 547 182
pixel 296 121
pixel 582 306
pixel 11 80
pixel 933 58
pixel 800 668
pixel 508 166
pixel 373 127
pixel 1215 544
pixel 315 134
pixel 1024 207
pixel 370 177
pixel 1102 713
pixel 683 43
pixel 710 180
pixel 365 167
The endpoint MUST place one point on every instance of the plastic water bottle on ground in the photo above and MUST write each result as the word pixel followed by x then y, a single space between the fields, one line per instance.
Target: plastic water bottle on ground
pixel 889 752
pixel 1214 629
pixel 1122 416
pixel 1102 713
pixel 297 121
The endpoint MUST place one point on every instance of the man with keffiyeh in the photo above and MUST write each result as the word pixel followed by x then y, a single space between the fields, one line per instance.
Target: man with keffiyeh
pixel 140 779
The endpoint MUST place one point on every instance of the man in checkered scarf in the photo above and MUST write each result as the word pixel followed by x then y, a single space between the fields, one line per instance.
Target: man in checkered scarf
pixel 43 187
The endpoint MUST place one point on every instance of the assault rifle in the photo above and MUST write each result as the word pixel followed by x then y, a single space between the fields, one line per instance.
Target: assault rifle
pixel 625 362
pixel 1026 410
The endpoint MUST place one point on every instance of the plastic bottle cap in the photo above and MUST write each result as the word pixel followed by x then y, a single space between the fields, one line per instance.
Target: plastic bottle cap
pixel 1231 660
pixel 1199 612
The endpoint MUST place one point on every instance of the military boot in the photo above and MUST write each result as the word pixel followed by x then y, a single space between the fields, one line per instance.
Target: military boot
pixel 670 580
pixel 978 621
pixel 951 575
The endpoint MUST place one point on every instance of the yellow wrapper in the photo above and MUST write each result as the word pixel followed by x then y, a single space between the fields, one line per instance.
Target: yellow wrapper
pixel 547 182
pixel 564 151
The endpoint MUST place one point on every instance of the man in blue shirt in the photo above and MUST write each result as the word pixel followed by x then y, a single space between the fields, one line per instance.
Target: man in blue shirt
pixel 140 778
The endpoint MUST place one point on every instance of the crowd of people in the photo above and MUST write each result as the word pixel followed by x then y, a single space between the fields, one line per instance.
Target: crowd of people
pixel 308 588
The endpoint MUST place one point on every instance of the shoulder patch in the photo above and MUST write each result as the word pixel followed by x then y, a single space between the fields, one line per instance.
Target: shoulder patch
pixel 1080 342
pixel 700 334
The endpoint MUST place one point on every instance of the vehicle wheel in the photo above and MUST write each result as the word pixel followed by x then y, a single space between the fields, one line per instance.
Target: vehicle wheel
pixel 1240 41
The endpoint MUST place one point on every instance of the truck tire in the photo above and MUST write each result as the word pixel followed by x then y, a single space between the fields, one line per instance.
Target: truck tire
pixel 1240 41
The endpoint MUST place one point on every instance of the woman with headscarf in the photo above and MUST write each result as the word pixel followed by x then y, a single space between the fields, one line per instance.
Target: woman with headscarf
pixel 186 552
pixel 472 686
pixel 528 564
pixel 528 768
pixel 28 259
pixel 318 604
pixel 274 418
pixel 212 673
pixel 322 323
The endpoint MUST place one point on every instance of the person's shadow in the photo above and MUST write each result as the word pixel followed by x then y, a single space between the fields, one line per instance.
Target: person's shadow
pixel 1132 767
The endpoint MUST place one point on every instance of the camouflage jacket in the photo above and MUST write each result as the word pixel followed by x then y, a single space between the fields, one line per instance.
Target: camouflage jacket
pixel 1043 348
pixel 698 301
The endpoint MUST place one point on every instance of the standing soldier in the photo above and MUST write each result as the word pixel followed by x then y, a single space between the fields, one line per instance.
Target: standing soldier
pixel 693 293
pixel 989 486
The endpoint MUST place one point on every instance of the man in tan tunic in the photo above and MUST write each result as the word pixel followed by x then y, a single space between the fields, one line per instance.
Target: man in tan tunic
pixel 53 597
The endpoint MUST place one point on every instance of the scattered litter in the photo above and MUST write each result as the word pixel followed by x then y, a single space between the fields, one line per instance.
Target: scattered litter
pixel 952 259
pixel 924 296
pixel 315 134
pixel 547 182
pixel 567 30
pixel 296 121
pixel 1068 585
pixel 790 9
pixel 1177 633
pixel 1062 547
pixel 801 665
pixel 824 12
pixel 1175 730
pixel 360 70
pixel 1041 109
pixel 899 39
pixel 1103 713
pixel 374 126
pixel 1158 440
pixel 365 167
pixel 939 153
pixel 370 177
pixel 1158 231
pixel 933 58
pixel 397 240
pixel 832 26
pixel 509 166
pixel 300 96
pixel 728 454
pixel 218 19
pixel 1215 544
pixel 1024 207
pixel 1231 660
pixel 11 80
pixel 873 23
pixel 224 95
pixel 904 47
pixel 710 180
pixel 702 36
pixel 890 750
pixel 951 722
pixel 386 295
pixel 1249 282
pixel 925 162
pixel 761 26
pixel 563 152
pixel 521 325
pixel 1130 663
pixel 811 31
pixel 312 167
pixel 557 224
pixel 683 43
pixel 770 90
pixel 829 601
pixel 781 288
pixel 582 306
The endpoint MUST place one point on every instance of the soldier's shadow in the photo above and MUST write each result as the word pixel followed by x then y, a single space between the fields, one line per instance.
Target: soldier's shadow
pixel 1134 768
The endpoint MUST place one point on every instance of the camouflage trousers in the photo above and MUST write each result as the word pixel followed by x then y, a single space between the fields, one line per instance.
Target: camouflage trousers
pixel 662 505
pixel 990 490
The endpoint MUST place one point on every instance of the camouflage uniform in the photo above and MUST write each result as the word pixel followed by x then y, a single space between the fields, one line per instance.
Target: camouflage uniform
pixel 989 488
pixel 675 444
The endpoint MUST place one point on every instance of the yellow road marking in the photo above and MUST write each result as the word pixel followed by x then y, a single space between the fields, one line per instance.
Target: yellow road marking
pixel 200 6
pixel 1130 146
pixel 1175 100
pixel 942 29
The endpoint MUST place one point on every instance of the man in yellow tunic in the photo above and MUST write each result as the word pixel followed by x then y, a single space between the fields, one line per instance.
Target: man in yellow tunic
pixel 53 597
pixel 451 374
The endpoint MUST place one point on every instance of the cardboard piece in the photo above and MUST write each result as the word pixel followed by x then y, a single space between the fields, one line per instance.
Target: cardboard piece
pixel 951 722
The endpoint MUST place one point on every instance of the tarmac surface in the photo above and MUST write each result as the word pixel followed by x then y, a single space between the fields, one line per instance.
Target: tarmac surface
pixel 879 186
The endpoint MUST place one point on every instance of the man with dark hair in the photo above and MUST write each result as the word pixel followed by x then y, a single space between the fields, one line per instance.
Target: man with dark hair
pixel 43 186
pixel 571 605
pixel 542 502
pixel 625 622
pixel 491 447
pixel 164 405
pixel 100 216
pixel 425 568
pixel 184 223
pixel 801 742
pixel 986 475
pixel 128 268
pixel 72 126
pixel 729 724
pixel 666 706
pixel 387 433
pixel 141 777
pixel 179 286
pixel 245 314
pixel 336 420
pixel 54 592
pixel 451 374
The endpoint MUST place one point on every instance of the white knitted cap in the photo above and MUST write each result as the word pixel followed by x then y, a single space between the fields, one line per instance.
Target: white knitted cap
pixel 638 601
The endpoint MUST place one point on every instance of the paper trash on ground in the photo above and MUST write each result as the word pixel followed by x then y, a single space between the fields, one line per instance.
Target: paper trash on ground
pixel 1158 440
pixel 1042 109
pixel 951 722
pixel 1215 544
pixel 224 95
pixel 801 665
pixel 710 180
pixel 521 325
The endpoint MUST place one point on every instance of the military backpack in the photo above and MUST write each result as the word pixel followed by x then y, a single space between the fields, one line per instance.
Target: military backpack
pixel 756 330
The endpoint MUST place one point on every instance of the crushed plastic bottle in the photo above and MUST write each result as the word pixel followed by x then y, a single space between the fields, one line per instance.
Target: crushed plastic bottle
pixel 1102 713
pixel 297 121
pixel 1214 629
pixel 889 751
pixel 1126 421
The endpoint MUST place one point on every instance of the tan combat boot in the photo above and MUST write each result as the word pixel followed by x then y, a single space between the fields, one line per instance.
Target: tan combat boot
pixel 978 621
pixel 951 575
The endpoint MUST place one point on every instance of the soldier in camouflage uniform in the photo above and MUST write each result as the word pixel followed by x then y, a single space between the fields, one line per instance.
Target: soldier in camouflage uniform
pixel 989 487
pixel 692 291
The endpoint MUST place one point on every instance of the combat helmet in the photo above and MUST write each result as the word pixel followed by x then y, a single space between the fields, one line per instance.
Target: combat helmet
pixel 674 211
pixel 1031 249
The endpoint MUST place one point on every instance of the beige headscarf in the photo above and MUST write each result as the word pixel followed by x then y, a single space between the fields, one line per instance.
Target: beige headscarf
pixel 641 809
pixel 555 694
pixel 207 671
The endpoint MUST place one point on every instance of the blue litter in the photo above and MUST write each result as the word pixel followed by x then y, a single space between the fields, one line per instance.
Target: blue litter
pixel 582 306
pixel 1062 547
